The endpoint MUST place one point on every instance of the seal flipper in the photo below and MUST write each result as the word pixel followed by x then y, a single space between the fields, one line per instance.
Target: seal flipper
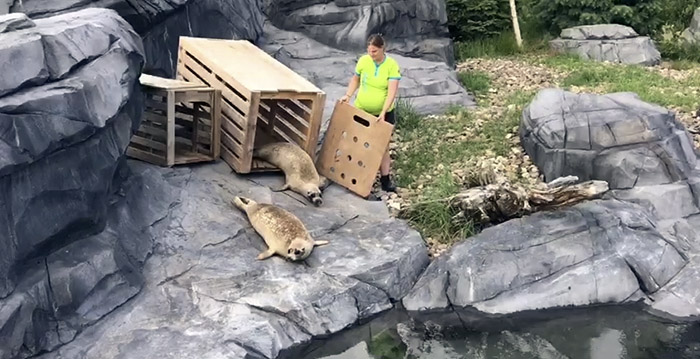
pixel 323 183
pixel 284 187
pixel 266 254
pixel 320 243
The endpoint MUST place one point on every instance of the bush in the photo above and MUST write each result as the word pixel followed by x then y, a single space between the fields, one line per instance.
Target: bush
pixel 477 19
pixel 676 14
pixel 641 15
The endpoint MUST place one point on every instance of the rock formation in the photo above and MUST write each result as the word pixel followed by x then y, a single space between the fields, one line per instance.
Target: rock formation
pixel 161 22
pixel 416 28
pixel 595 252
pixel 691 34
pixel 607 42
pixel 320 41
pixel 205 294
pixel 68 103
pixel 69 100
pixel 637 243
pixel 617 138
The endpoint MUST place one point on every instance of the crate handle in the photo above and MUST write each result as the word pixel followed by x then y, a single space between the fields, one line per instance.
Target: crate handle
pixel 361 120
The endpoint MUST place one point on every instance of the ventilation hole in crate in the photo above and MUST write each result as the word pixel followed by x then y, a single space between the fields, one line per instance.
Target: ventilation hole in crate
pixel 366 144
pixel 354 138
pixel 354 181
pixel 332 169
pixel 361 121
pixel 349 158
pixel 360 163
pixel 345 134
pixel 342 175
pixel 337 153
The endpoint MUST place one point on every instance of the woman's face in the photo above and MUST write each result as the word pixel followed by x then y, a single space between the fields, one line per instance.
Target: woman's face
pixel 376 53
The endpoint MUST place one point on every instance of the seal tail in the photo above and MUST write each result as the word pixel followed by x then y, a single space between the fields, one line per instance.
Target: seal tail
pixel 242 202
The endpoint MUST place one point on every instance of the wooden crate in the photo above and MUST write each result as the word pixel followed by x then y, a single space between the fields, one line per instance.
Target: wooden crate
pixel 180 124
pixel 262 100
pixel 353 148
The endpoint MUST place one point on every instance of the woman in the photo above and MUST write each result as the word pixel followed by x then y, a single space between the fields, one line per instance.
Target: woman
pixel 379 77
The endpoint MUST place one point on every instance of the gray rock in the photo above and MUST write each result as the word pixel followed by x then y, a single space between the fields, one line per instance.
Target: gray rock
pixel 691 34
pixel 229 19
pixel 598 32
pixel 611 43
pixel 12 22
pixel 676 205
pixel 77 285
pixel 75 94
pixel 603 251
pixel 419 42
pixel 205 294
pixel 412 28
pixel 615 137
pixel 162 22
pixel 359 351
pixel 428 86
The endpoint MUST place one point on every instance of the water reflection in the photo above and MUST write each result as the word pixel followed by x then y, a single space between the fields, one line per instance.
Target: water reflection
pixel 609 332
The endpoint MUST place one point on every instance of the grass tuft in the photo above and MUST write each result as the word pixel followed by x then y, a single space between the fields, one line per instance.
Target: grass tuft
pixel 650 85
pixel 476 82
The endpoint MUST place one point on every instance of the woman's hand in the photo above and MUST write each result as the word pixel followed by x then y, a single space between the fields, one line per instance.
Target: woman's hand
pixel 381 117
pixel 345 98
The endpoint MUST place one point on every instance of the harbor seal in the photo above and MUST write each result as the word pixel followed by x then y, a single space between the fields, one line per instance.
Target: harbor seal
pixel 299 169
pixel 284 234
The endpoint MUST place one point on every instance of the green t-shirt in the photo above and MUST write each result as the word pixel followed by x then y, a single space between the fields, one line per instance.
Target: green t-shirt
pixel 374 83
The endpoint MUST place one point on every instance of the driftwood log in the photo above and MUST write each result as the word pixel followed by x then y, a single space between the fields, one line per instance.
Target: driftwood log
pixel 496 203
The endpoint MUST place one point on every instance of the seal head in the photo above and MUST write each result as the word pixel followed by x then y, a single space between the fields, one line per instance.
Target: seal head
pixel 314 195
pixel 299 249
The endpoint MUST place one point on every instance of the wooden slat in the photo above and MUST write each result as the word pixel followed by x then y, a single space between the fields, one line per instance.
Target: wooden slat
pixel 289 131
pixel 249 140
pixel 157 133
pixel 228 157
pixel 194 96
pixel 215 121
pixel 300 113
pixel 145 156
pixel 190 157
pixel 294 122
pixel 315 128
pixel 170 128
pixel 279 132
pixel 249 65
pixel 186 51
pixel 286 95
pixel 165 83
pixel 159 146
pixel 197 73
pixel 232 130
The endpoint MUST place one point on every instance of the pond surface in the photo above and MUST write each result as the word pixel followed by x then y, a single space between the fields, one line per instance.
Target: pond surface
pixel 605 332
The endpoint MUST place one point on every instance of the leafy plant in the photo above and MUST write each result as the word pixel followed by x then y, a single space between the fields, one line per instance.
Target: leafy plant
pixel 477 19
pixel 641 15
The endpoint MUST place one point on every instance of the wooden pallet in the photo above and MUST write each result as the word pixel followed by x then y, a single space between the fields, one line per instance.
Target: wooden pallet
pixel 353 148
pixel 262 100
pixel 180 124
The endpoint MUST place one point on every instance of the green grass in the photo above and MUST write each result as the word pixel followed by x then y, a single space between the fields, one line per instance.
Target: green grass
pixel 427 152
pixel 501 45
pixel 650 86
pixel 476 82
